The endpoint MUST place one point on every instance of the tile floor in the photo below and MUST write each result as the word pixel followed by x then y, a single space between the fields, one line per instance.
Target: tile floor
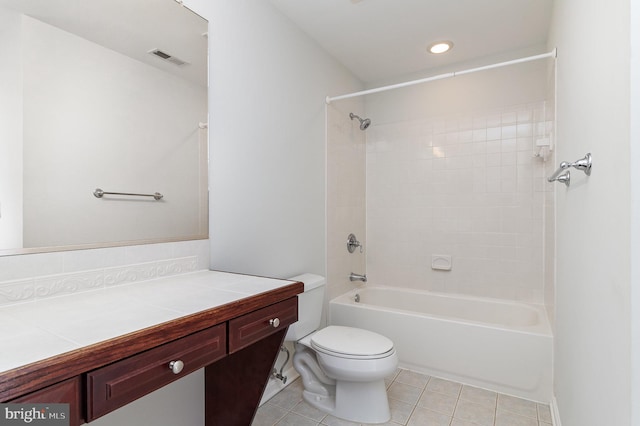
pixel 415 400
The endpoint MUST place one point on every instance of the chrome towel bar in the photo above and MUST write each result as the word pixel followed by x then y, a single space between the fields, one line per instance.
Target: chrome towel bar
pixel 564 176
pixel 99 193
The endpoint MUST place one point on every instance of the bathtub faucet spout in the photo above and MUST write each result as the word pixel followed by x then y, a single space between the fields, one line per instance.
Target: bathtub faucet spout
pixel 358 277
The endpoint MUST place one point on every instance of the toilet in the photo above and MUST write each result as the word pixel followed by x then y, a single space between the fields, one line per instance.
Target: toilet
pixel 342 368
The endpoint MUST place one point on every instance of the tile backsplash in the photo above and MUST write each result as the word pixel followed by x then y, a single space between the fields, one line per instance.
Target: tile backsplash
pixel 467 185
pixel 26 278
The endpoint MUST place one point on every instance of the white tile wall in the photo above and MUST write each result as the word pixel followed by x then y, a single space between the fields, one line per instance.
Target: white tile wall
pixel 549 216
pixel 25 278
pixel 345 195
pixel 468 186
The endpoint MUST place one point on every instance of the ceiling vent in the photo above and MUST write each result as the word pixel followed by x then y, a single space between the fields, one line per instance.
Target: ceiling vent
pixel 167 57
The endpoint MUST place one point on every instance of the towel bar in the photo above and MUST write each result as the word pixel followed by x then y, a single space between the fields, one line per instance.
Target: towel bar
pixel 99 193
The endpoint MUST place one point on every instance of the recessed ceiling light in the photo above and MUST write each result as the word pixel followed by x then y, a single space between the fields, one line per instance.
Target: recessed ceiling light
pixel 440 47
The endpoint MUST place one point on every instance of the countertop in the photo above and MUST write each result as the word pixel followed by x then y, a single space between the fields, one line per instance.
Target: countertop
pixel 34 331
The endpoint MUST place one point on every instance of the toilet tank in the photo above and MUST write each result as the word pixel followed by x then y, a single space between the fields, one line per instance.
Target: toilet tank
pixel 309 306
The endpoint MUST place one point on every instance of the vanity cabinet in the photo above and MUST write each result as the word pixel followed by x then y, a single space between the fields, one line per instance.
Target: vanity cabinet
pixel 236 343
pixel 66 392
pixel 234 385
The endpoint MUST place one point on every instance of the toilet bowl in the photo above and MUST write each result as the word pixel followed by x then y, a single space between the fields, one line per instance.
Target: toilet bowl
pixel 342 368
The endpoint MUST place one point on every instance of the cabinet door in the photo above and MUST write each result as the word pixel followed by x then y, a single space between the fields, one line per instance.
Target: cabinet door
pixel 67 392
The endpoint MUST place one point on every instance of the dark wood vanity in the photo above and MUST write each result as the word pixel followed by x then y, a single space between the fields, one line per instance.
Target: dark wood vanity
pixel 236 343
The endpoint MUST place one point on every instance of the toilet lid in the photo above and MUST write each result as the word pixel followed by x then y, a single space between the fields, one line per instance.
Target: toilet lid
pixel 350 341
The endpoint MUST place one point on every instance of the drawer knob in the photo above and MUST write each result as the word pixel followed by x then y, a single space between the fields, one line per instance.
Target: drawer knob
pixel 176 366
pixel 274 322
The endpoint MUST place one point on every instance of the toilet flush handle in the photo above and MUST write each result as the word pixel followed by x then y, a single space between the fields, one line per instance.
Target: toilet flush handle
pixel 274 322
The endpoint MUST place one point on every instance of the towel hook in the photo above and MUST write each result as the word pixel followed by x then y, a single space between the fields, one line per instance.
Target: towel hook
pixel 563 178
pixel 583 164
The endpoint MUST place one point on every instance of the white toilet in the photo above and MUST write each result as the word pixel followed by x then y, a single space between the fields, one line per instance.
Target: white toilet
pixel 342 368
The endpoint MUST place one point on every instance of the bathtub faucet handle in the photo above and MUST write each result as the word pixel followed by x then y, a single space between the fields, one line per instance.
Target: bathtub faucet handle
pixel 352 243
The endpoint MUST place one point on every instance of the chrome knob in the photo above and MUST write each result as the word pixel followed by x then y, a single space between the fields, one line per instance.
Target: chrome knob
pixel 176 366
pixel 352 243
pixel 275 322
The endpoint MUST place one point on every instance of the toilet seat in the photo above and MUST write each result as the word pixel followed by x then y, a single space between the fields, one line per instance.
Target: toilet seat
pixel 351 343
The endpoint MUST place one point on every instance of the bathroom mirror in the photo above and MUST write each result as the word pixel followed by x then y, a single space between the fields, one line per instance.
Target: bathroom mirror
pixel 108 94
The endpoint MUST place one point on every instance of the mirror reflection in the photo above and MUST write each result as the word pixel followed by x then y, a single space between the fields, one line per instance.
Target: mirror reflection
pixel 108 94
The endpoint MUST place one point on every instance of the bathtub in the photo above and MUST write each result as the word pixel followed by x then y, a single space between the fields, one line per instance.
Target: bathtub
pixel 493 344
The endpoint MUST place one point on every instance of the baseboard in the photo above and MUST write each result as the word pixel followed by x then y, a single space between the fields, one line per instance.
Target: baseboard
pixel 555 414
pixel 274 386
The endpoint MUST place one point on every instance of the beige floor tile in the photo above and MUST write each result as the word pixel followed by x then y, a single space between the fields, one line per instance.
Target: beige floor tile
pixel 400 411
pixel 296 385
pixel 404 393
pixel 479 396
pixel 287 398
pixel 458 422
pixel 415 400
pixel 389 423
pixel 423 416
pixel 439 402
pixel 476 413
pixel 444 386
pixel 293 419
pixel 518 405
pixel 308 411
pixel 506 418
pixel 412 379
pixel 268 415
pixel 334 421
pixel 544 413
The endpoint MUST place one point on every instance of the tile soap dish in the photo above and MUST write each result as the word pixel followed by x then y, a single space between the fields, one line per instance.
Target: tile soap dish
pixel 441 262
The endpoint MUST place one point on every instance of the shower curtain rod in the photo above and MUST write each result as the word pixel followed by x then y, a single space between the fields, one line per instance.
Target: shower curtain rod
pixel 553 53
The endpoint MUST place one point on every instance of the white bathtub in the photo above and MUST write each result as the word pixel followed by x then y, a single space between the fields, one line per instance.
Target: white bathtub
pixel 498 345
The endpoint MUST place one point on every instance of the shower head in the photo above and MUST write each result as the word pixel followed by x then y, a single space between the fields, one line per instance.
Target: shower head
pixel 364 123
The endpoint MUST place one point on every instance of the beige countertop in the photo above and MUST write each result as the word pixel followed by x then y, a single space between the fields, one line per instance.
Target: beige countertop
pixel 45 328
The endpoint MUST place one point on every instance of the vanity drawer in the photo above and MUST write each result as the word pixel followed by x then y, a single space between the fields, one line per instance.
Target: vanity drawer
pixel 117 384
pixel 249 328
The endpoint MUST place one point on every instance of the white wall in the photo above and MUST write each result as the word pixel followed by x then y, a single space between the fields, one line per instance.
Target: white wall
pixel 634 19
pixel 10 130
pixel 267 169
pixel 451 171
pixel 267 200
pixel 94 118
pixel 593 322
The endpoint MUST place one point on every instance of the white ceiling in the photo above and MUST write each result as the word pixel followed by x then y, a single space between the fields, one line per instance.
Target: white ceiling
pixel 131 28
pixel 381 39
